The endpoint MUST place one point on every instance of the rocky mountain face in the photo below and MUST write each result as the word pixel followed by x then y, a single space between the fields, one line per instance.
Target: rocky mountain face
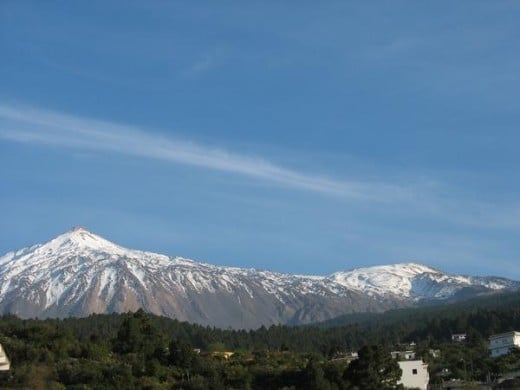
pixel 79 273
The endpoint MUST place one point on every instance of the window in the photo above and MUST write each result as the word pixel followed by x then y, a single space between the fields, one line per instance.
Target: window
pixel 414 371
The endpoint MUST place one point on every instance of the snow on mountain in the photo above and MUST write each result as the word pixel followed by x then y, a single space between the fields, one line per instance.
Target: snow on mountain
pixel 79 273
pixel 415 281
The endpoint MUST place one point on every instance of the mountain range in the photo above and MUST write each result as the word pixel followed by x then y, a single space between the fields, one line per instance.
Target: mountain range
pixel 79 273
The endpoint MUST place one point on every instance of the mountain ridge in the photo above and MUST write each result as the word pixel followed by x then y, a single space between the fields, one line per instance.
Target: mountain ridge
pixel 78 273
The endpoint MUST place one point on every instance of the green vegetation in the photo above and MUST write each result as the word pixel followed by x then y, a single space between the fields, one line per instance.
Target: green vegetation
pixel 142 351
pixel 375 369
pixel 138 350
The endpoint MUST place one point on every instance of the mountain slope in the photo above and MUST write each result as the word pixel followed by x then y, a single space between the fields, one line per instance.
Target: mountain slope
pixel 415 281
pixel 79 273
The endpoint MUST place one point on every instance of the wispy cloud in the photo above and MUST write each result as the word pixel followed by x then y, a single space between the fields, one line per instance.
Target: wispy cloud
pixel 25 124
pixel 31 125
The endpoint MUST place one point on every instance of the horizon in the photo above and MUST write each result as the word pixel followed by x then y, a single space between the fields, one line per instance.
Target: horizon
pixel 78 228
pixel 302 139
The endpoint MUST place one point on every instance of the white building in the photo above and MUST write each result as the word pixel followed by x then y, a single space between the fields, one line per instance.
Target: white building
pixel 403 355
pixel 4 361
pixel 415 374
pixel 458 337
pixel 501 344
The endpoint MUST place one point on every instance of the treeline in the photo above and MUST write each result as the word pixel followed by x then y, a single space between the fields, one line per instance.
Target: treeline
pixel 139 350
pixel 479 319
pixel 73 354
pixel 429 310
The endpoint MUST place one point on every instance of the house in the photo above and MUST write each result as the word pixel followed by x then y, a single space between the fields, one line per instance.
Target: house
pixel 415 374
pixel 458 337
pixel 403 355
pixel 435 353
pixel 5 365
pixel 345 357
pixel 501 344
pixel 223 355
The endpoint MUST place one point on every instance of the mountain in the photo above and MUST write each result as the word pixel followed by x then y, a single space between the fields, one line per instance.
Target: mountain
pixel 78 273
pixel 417 282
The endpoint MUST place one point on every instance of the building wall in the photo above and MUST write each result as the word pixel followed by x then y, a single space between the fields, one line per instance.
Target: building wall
pixel 415 374
pixel 501 344
pixel 5 365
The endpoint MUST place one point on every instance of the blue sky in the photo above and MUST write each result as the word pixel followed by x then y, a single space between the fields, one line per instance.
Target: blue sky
pixel 294 136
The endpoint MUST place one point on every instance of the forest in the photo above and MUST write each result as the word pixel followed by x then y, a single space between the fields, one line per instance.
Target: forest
pixel 144 351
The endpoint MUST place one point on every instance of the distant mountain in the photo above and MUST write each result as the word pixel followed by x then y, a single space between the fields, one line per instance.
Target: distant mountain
pixel 418 282
pixel 79 273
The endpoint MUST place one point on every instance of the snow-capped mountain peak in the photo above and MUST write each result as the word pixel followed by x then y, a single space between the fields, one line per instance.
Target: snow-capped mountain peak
pixel 384 279
pixel 80 239
pixel 411 280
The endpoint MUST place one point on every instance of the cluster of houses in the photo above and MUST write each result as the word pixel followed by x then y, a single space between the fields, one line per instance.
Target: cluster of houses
pixel 414 371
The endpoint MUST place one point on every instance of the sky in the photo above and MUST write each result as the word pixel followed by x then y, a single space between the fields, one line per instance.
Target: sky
pixel 302 137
